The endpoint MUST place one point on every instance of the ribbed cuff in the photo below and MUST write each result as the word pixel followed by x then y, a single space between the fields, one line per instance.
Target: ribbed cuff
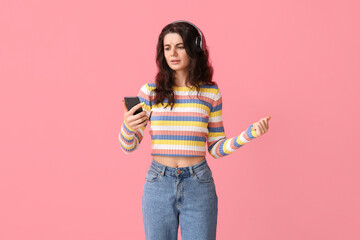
pixel 128 128
pixel 251 133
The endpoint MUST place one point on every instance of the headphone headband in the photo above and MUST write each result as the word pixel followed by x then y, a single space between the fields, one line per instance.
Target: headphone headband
pixel 199 40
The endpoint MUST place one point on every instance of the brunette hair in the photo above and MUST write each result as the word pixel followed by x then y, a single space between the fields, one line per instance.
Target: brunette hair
pixel 200 68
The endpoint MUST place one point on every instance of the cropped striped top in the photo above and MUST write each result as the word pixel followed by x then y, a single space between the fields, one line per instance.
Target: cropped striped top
pixel 184 130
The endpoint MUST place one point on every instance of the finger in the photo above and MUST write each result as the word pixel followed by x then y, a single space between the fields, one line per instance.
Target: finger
pixel 145 121
pixel 267 120
pixel 265 125
pixel 136 119
pixel 261 126
pixel 136 107
pixel 258 130
pixel 141 115
pixel 141 122
pixel 141 118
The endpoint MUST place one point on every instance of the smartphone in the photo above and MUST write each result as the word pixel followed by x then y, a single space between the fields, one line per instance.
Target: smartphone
pixel 130 102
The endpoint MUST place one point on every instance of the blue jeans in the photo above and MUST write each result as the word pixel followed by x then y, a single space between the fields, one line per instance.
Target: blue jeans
pixel 186 195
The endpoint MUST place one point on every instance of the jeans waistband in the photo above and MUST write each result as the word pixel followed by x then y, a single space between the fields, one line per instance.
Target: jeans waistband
pixel 183 171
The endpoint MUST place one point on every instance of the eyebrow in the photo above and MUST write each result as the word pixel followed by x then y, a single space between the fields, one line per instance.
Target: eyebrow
pixel 175 45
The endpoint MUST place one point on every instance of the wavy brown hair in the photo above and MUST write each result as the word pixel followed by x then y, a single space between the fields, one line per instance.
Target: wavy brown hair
pixel 200 68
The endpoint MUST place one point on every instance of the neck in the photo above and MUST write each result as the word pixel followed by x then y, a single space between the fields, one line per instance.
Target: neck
pixel 181 78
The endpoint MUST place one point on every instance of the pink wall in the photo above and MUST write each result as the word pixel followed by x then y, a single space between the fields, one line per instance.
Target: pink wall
pixel 65 67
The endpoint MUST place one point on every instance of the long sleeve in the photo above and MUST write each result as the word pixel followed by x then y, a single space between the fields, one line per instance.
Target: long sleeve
pixel 130 139
pixel 218 144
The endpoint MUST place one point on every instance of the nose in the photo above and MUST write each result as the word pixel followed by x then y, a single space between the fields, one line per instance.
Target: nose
pixel 173 52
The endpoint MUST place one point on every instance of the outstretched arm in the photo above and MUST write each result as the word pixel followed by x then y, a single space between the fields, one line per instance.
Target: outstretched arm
pixel 218 144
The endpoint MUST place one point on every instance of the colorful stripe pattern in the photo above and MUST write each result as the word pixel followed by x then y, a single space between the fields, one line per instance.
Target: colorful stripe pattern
pixel 184 130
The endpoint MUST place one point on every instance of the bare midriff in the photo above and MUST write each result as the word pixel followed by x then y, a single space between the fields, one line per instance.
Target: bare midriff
pixel 177 162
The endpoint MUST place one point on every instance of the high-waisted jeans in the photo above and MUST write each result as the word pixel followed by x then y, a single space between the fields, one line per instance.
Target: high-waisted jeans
pixel 186 195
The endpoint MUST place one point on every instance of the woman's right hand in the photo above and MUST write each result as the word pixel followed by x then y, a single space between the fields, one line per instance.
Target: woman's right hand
pixel 135 121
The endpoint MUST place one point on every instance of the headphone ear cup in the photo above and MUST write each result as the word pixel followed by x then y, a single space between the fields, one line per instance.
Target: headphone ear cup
pixel 198 43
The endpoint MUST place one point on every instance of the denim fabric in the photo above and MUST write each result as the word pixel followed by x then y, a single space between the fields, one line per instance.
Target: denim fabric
pixel 179 195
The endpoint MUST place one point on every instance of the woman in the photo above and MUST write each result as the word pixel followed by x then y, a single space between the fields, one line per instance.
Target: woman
pixel 184 107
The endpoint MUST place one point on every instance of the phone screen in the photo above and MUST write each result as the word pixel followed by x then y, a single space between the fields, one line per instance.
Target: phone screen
pixel 131 102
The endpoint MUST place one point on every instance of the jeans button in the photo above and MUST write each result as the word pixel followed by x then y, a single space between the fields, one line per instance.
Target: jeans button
pixel 178 171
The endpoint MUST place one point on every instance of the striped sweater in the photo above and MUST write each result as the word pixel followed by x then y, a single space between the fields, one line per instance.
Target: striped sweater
pixel 184 130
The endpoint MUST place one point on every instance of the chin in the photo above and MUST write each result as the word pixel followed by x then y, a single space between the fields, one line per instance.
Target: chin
pixel 177 68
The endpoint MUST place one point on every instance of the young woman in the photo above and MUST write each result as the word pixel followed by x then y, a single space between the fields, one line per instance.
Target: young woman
pixel 184 107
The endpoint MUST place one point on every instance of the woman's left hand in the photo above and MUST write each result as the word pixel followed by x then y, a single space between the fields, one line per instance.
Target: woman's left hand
pixel 261 126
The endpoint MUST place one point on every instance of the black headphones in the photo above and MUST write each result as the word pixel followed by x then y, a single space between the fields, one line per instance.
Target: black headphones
pixel 199 40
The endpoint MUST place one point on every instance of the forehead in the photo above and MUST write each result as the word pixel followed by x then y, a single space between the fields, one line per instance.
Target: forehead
pixel 172 38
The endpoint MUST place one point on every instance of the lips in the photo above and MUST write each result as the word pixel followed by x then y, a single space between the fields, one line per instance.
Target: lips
pixel 174 62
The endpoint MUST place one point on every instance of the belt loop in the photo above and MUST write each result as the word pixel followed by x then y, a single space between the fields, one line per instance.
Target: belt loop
pixel 163 170
pixel 191 170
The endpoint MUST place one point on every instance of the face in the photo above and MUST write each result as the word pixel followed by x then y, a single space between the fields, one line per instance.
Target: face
pixel 174 50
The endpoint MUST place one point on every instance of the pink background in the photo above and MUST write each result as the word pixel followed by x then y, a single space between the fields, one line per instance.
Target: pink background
pixel 66 65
